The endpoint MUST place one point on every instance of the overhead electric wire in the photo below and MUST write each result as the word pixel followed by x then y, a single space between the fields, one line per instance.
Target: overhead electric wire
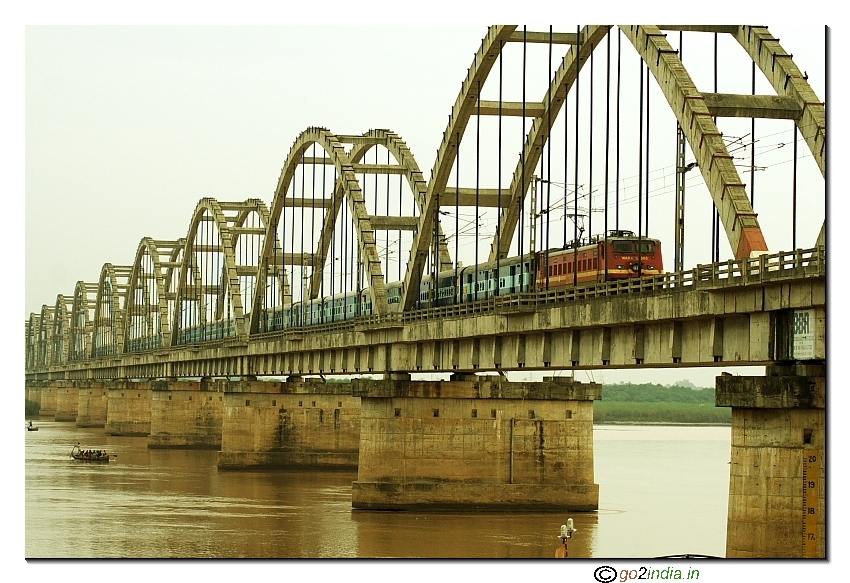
pixel 499 209
pixel 575 193
pixel 548 155
pixel 590 145
pixel 607 145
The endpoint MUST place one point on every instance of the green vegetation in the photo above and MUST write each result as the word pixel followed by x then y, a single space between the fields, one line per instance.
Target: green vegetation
pixel 32 408
pixel 651 403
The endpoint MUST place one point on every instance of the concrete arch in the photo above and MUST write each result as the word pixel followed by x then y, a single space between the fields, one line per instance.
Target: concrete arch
pixel 715 162
pixel 538 135
pixel 31 334
pixel 258 207
pixel 779 68
pixel 403 157
pixel 150 312
pixel 228 281
pixel 463 109
pixel 351 191
pixel 108 324
pixel 686 102
pixel 82 316
pixel 61 325
pixel 45 336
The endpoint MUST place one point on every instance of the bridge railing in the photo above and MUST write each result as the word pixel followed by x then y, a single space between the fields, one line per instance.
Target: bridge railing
pixel 782 265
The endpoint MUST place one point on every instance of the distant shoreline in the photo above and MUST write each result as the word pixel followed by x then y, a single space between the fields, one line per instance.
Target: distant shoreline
pixel 660 406
pixel 675 423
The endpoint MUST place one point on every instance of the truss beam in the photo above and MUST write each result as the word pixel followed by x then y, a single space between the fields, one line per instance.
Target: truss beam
pixel 759 106
pixel 557 38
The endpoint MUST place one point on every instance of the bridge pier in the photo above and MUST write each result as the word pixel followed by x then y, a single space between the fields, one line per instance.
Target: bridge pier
pixel 186 414
pixel 45 391
pixel 67 400
pixel 296 423
pixel 476 444
pixel 777 506
pixel 128 408
pixel 33 392
pixel 92 404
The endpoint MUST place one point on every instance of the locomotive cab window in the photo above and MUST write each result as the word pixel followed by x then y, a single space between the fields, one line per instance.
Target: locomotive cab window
pixel 623 247
pixel 647 247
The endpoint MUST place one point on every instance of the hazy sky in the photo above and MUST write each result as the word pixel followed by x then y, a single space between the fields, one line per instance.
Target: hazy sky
pixel 128 127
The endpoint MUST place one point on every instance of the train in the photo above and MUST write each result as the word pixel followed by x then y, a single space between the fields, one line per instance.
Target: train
pixel 619 255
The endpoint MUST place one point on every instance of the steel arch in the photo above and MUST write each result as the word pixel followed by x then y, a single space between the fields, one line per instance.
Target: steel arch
pixel 352 193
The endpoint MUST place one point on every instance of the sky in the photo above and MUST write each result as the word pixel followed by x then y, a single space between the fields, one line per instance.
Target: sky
pixel 127 128
pixel 115 133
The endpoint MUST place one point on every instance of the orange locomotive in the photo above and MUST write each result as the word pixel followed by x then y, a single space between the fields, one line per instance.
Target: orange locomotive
pixel 620 255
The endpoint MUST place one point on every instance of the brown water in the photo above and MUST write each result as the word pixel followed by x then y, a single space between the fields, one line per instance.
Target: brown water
pixel 663 490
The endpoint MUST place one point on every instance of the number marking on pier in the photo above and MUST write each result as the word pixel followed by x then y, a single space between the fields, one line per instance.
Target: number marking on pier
pixel 811 510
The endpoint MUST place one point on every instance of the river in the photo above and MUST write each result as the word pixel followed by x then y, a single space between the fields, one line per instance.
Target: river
pixel 663 490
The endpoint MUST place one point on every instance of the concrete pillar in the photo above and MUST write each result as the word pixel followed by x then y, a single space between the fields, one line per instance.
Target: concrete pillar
pixel 484 444
pixel 67 400
pixel 47 399
pixel 92 404
pixel 33 395
pixel 186 414
pixel 777 506
pixel 128 408
pixel 310 424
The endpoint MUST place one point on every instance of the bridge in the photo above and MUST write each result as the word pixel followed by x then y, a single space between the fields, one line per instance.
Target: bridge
pixel 509 266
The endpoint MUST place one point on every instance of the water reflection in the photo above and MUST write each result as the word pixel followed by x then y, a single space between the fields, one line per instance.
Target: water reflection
pixel 661 492
pixel 472 535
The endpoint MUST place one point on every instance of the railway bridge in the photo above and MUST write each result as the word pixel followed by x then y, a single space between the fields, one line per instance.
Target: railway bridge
pixel 518 262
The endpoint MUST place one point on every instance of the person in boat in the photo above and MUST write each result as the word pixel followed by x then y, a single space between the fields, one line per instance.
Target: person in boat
pixel 30 424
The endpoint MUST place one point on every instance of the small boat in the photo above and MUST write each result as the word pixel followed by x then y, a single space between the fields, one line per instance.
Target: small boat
pixel 31 428
pixel 89 455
